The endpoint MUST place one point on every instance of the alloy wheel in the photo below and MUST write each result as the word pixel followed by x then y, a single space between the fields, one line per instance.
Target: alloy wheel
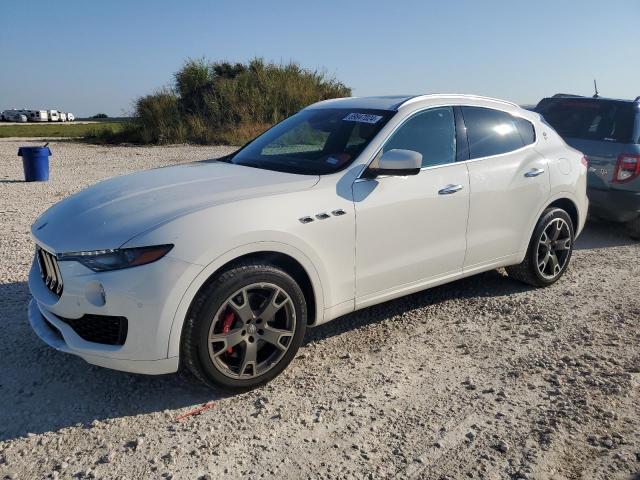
pixel 554 248
pixel 252 331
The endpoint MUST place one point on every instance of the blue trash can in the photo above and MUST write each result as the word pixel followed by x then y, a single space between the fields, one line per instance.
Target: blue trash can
pixel 35 161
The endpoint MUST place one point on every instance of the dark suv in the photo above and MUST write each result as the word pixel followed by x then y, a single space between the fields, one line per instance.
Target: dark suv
pixel 607 131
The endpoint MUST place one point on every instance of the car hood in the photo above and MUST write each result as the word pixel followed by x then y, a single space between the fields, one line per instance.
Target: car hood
pixel 112 212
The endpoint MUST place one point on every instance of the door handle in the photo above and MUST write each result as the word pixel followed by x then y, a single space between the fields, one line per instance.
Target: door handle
pixel 449 189
pixel 534 172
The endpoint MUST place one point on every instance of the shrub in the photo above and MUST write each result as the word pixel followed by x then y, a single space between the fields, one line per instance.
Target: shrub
pixel 100 115
pixel 226 103
pixel 158 119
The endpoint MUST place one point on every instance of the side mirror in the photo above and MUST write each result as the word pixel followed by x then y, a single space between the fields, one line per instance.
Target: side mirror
pixel 397 162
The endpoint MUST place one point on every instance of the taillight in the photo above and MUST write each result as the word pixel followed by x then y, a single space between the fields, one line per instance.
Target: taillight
pixel 585 162
pixel 627 168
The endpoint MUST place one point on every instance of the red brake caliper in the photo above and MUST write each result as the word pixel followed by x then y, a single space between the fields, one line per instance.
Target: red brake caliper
pixel 226 326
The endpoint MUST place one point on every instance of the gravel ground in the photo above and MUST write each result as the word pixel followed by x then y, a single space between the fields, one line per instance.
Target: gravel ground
pixel 482 378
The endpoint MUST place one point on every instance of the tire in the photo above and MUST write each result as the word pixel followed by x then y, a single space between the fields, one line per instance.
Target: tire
pixel 219 312
pixel 541 247
pixel 633 228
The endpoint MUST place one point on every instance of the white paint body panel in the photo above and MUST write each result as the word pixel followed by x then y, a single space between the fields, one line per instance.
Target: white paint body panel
pixel 503 204
pixel 406 232
pixel 397 236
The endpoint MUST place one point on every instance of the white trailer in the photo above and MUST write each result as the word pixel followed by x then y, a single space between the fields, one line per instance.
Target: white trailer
pixel 70 117
pixel 53 115
pixel 37 116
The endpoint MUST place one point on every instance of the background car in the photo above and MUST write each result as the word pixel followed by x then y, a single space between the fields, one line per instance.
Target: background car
pixel 17 117
pixel 13 115
pixel 607 131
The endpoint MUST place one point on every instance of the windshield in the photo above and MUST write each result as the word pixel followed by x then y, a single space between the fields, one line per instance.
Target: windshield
pixel 315 141
pixel 590 119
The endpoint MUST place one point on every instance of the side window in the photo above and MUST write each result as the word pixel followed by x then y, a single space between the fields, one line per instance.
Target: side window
pixel 526 130
pixel 492 132
pixel 431 133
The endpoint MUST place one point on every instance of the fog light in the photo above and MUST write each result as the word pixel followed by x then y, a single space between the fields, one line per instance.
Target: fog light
pixel 95 294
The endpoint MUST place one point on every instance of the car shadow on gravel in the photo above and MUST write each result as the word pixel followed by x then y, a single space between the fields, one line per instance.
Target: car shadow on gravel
pixel 596 234
pixel 602 234
pixel 489 284
pixel 44 390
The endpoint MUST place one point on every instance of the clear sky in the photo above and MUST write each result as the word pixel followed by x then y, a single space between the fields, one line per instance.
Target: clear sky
pixel 97 56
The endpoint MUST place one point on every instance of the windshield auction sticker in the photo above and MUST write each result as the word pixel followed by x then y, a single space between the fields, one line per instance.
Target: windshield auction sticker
pixel 362 118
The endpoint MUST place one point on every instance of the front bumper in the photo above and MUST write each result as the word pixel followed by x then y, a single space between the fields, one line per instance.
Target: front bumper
pixel 50 332
pixel 615 205
pixel 148 296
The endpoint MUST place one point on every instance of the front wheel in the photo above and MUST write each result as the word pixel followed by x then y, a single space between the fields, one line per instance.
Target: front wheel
pixel 245 327
pixel 549 250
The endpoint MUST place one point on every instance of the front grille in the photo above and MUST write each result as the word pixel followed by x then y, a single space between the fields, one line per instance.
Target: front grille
pixel 49 270
pixel 99 328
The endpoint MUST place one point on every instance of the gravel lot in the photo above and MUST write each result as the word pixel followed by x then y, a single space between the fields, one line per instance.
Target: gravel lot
pixel 482 378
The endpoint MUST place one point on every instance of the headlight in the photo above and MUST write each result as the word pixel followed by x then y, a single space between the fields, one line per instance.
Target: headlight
pixel 114 259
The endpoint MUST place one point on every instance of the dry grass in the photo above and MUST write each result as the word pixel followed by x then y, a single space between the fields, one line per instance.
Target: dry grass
pixel 224 103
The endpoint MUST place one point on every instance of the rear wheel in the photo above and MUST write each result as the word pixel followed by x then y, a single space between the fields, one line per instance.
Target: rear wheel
pixel 549 250
pixel 245 327
pixel 633 227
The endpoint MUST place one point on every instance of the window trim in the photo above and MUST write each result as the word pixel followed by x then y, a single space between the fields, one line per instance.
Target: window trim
pixel 361 176
pixel 461 135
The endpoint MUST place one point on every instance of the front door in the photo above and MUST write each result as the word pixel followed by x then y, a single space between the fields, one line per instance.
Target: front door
pixel 410 230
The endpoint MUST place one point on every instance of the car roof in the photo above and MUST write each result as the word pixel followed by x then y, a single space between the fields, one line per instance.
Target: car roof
pixel 387 102
pixel 395 102
pixel 569 96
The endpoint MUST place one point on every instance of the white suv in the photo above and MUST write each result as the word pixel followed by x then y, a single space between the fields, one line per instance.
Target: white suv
pixel 220 265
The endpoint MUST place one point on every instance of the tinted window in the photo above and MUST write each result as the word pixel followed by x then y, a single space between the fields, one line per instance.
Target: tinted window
pixel 589 119
pixel 492 132
pixel 431 133
pixel 314 141
pixel 526 130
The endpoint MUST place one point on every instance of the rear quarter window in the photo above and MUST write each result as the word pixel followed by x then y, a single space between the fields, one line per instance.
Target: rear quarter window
pixel 526 130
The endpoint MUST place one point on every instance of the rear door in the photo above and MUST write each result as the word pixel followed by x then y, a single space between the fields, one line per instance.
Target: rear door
pixel 509 182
